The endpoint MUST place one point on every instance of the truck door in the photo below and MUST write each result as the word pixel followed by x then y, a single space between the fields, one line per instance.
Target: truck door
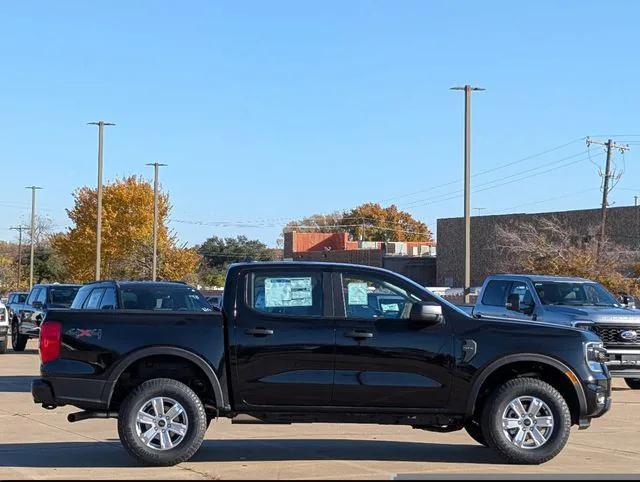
pixel 283 340
pixel 383 359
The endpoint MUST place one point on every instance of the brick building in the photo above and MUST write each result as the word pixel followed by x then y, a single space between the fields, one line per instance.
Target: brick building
pixel 414 259
pixel 623 227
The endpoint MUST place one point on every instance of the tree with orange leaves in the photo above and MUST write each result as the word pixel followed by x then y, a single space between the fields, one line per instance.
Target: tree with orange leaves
pixel 127 227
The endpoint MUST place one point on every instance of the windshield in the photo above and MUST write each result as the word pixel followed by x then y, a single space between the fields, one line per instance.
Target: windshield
pixel 574 294
pixel 163 298
pixel 63 295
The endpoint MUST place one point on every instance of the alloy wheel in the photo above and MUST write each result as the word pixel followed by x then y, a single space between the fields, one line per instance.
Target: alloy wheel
pixel 162 423
pixel 527 422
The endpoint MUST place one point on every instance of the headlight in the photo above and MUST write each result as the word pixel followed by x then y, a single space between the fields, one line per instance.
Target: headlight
pixel 596 355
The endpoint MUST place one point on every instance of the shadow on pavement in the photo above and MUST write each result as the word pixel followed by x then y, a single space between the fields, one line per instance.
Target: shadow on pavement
pixel 15 383
pixel 106 454
pixel 28 351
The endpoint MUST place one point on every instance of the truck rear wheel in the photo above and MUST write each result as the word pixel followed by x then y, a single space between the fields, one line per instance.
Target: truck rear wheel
pixel 633 383
pixel 526 421
pixel 162 422
pixel 18 341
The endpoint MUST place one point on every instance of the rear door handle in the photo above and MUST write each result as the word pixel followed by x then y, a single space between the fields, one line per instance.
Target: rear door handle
pixel 259 332
pixel 359 334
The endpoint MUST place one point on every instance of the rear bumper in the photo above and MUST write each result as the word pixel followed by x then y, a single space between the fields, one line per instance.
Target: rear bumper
pixel 58 391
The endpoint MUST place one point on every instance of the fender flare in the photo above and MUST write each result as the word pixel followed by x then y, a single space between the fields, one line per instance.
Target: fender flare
pixel 131 358
pixel 533 357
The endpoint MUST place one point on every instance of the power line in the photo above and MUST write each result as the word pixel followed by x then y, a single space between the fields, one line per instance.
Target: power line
pixel 503 178
pixel 490 170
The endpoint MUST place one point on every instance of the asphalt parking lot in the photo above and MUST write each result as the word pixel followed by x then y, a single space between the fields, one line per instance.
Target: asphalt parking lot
pixel 36 443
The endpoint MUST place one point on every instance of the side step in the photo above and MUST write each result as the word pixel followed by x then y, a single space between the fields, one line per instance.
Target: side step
pixel 249 420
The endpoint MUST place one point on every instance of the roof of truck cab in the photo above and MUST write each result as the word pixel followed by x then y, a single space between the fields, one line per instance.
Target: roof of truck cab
pixel 137 283
pixel 539 278
pixel 314 264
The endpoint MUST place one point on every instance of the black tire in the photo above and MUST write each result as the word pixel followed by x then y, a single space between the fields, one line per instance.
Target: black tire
pixel 475 432
pixel 496 406
pixel 196 425
pixel 18 341
pixel 633 383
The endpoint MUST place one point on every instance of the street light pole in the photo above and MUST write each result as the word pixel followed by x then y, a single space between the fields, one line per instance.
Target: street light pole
pixel 100 125
pixel 467 187
pixel 156 168
pixel 33 230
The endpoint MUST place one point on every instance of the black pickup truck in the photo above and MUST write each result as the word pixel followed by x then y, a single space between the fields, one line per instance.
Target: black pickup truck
pixel 321 342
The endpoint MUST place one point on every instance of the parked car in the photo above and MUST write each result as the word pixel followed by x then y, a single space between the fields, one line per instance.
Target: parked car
pixel 15 302
pixel 139 295
pixel 215 301
pixel 572 302
pixel 293 346
pixel 4 327
pixel 42 298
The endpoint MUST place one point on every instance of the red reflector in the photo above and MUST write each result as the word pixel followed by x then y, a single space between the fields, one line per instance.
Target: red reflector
pixel 50 339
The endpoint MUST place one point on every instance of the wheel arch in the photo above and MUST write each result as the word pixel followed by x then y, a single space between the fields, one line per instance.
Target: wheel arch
pixel 568 376
pixel 123 365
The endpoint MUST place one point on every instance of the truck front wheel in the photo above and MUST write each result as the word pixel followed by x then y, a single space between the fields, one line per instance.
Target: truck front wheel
pixel 633 383
pixel 162 422
pixel 526 421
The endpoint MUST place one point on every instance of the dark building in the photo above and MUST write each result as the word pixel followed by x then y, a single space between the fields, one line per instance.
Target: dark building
pixel 623 227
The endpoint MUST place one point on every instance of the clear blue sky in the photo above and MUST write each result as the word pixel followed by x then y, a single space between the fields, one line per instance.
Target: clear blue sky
pixel 277 110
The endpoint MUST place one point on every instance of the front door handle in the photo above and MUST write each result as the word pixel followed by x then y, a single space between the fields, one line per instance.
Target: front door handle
pixel 259 332
pixel 359 334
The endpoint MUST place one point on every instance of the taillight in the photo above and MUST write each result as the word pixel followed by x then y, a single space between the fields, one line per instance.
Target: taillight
pixel 50 339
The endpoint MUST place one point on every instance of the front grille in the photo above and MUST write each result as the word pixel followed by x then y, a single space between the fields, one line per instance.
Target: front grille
pixel 611 335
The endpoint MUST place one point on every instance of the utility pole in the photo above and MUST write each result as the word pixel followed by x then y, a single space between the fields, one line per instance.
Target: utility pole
pixel 19 229
pixel 33 230
pixel 467 187
pixel 100 125
pixel 156 168
pixel 609 174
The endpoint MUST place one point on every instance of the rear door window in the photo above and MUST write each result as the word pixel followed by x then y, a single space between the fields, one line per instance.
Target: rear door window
pixel 495 293
pixel 287 293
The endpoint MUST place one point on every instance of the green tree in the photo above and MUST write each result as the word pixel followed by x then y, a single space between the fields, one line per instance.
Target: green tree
pixel 217 253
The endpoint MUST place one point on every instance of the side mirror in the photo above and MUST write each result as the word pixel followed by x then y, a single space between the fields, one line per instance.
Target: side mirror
pixel 426 313
pixel 37 305
pixel 513 302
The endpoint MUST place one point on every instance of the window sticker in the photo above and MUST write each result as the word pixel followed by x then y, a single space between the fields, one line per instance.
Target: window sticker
pixel 287 292
pixel 357 294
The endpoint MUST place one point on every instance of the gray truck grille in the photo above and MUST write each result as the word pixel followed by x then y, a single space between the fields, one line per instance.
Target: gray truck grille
pixel 612 335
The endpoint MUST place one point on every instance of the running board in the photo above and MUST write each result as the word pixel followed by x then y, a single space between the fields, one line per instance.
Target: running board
pixel 249 420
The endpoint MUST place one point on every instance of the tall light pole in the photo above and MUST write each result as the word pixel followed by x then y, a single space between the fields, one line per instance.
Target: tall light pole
pixel 33 230
pixel 156 168
pixel 467 187
pixel 19 229
pixel 100 125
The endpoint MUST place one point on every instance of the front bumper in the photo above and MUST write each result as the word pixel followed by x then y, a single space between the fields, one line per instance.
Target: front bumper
pixel 597 393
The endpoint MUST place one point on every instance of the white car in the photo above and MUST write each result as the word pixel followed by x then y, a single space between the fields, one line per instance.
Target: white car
pixel 4 328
